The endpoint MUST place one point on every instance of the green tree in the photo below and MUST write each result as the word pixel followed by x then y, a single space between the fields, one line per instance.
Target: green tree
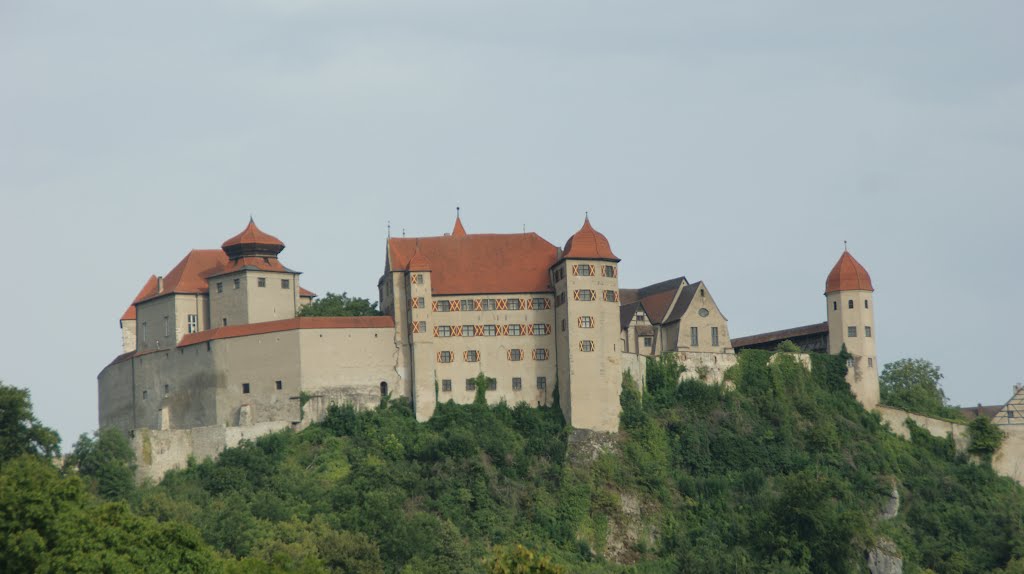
pixel 913 384
pixel 986 437
pixel 520 560
pixel 334 305
pixel 20 432
pixel 107 461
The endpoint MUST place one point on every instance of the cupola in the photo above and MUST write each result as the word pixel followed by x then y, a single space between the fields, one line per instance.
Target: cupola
pixel 848 275
pixel 252 242
pixel 588 243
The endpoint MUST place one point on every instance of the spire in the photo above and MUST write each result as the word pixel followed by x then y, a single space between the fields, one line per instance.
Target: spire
pixel 458 230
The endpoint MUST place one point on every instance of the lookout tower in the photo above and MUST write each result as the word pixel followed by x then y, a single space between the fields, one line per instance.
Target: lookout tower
pixel 851 322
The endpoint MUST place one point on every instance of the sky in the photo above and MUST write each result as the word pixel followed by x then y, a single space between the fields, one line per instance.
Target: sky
pixel 739 143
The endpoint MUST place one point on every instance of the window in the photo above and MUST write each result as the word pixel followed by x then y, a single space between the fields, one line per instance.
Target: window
pixel 540 354
pixel 444 331
pixel 245 388
pixel 609 271
pixel 648 341
pixel 587 346
pixel 714 336
pixel 220 287
pixel 865 303
pixel 585 322
pixel 583 295
pixel 835 305
pixel 261 281
pixel 490 331
pixel 515 354
pixel 515 330
pixel 383 389
pixel 238 283
pixel 444 356
pixel 850 305
pixel 167 389
pixel 417 302
pixel 492 384
pixel 563 325
pixel 514 304
pixel 542 383
pixel 488 304
pixel 517 383
pixel 419 326
pixel 472 356
pixel 279 385
pixel 446 385
pixel 640 316
pixel 443 305
pixel 539 303
pixel 468 331
pixel 611 295
pixel 851 331
pixel 167 326
pixel 541 329
pixel 286 284
pixel 694 337
pixel 470 384
pixel 585 270
pixel 867 331
pixel 193 323
pixel 145 395
pixel 466 305
pixel 224 321
pixel 871 362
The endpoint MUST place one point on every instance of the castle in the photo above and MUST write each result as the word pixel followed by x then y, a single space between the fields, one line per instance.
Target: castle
pixel 215 352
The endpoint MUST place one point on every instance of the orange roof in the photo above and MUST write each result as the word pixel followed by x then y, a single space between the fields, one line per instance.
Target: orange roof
pixel 129 314
pixel 587 243
pixel 252 235
pixel 189 275
pixel 848 275
pixel 240 263
pixel 231 331
pixel 303 292
pixel 419 261
pixel 459 230
pixel 479 263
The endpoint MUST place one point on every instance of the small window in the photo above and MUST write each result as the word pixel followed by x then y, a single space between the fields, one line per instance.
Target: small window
pixel 714 336
pixel 515 354
pixel 865 303
pixel 245 388
pixel 585 295
pixel 541 329
pixel 145 395
pixel 611 295
pixel 167 389
pixel 220 287
pixel 851 331
pixel 286 284
pixel 472 356
pixel 492 384
pixel 443 306
pixel 871 362
pixel 850 304
pixel 584 270
pixel 513 305
pixel 694 337
pixel 167 326
pixel 490 331
pixel 835 305
pixel 419 278
pixel 444 331
pixel 444 357
pixel 193 323
pixel 446 385
pixel 867 331
pixel 468 331
pixel 517 383
pixel 586 322
pixel 538 302
pixel 540 354
pixel 587 346
pixel 466 305
pixel 224 321
pixel 640 316
pixel 261 281
pixel 417 303
pixel 470 384
pixel 515 330
pixel 563 325
pixel 489 304
pixel 383 389
pixel 542 383
pixel 648 341
pixel 238 283
pixel 609 271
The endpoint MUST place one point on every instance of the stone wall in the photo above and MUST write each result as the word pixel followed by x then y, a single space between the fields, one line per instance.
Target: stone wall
pixel 711 365
pixel 897 419
pixel 635 365
pixel 1009 460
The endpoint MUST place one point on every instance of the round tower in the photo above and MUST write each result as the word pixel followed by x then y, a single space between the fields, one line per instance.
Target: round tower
pixel 851 322
pixel 586 280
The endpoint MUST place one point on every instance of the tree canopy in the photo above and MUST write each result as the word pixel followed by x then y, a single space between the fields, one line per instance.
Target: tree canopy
pixel 107 461
pixel 913 384
pixel 334 305
pixel 20 432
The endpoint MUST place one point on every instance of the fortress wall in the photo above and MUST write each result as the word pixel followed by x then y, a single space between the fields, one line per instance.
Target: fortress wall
pixel 635 365
pixel 713 364
pixel 936 427
pixel 258 361
pixel 174 388
pixel 115 396
pixel 341 366
pixel 1009 460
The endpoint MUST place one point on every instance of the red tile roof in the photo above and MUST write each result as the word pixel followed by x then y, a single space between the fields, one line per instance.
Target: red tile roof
pixel 189 275
pixel 458 230
pixel 231 331
pixel 848 275
pixel 303 292
pixel 480 263
pixel 129 314
pixel 419 261
pixel 252 235
pixel 587 243
pixel 815 329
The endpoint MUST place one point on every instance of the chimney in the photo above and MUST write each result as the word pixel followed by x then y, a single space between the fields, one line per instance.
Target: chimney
pixel 160 284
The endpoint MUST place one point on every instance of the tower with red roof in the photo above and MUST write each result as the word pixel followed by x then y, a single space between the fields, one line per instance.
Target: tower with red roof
pixel 851 323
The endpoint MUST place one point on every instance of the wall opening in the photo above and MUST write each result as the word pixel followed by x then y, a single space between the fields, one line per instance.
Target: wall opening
pixel 383 389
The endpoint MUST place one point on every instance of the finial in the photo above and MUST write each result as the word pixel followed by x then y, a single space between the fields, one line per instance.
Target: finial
pixel 403 232
pixel 844 246
pixel 389 229
pixel 250 218
pixel 457 209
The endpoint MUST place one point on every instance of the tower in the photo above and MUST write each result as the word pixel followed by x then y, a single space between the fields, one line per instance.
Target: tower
pixel 851 322
pixel 421 340
pixel 586 280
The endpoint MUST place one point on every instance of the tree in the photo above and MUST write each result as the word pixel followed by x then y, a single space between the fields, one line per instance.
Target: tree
pixel 334 305
pixel 520 560
pixel 107 461
pixel 20 432
pixel 913 384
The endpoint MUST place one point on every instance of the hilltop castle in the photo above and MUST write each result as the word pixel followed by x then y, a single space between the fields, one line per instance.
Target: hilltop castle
pixel 215 352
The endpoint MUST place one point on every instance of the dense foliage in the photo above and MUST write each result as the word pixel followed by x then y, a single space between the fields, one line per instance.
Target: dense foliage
pixel 913 384
pixel 20 432
pixel 334 305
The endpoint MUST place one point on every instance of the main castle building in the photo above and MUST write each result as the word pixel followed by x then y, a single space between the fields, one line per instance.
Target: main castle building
pixel 215 352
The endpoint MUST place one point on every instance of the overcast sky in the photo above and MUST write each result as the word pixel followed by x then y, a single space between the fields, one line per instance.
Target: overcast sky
pixel 737 143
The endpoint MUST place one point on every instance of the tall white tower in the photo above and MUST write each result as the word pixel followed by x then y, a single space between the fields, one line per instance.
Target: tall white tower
pixel 851 322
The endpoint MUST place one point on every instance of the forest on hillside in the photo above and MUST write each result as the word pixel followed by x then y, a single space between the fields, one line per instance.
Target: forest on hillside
pixel 783 472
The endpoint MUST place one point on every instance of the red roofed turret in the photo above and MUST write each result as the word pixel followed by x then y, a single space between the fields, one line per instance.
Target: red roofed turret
pixel 252 242
pixel 588 243
pixel 848 275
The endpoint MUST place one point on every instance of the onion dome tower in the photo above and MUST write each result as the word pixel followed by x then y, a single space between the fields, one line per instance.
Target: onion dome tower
pixel 849 297
pixel 252 242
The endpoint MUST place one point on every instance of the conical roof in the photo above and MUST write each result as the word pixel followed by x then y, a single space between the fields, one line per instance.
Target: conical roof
pixel 252 241
pixel 459 230
pixel 588 243
pixel 848 275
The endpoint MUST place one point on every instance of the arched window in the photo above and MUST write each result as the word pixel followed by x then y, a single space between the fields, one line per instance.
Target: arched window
pixel 383 389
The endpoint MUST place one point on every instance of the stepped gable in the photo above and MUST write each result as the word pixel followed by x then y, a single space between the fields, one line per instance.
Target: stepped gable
pixel 848 275
pixel 588 243
pixel 189 275
pixel 481 263
pixel 147 289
